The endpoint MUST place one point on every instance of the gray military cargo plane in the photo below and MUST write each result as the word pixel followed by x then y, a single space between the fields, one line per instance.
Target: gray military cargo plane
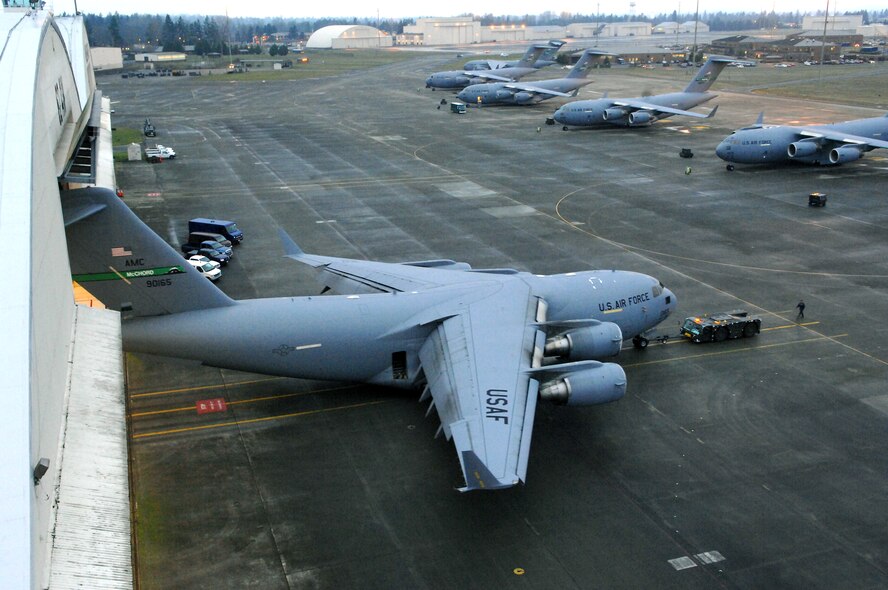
pixel 826 145
pixel 533 92
pixel 642 111
pixel 547 58
pixel 462 78
pixel 483 345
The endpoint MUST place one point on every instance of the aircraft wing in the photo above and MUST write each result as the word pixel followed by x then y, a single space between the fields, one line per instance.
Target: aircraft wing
pixel 475 363
pixel 539 90
pixel 347 275
pixel 656 108
pixel 486 75
pixel 840 137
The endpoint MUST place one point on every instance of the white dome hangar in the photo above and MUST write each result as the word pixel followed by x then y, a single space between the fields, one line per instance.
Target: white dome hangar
pixel 348 37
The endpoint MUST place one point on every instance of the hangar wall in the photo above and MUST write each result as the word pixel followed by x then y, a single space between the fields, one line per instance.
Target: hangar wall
pixel 57 111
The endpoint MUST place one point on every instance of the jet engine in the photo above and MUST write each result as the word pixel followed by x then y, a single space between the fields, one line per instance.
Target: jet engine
pixel 613 114
pixel 639 118
pixel 801 149
pixel 599 384
pixel 592 342
pixel 523 97
pixel 503 94
pixel 847 153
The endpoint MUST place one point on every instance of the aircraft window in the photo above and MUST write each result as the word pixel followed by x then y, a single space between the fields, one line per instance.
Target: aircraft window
pixel 657 291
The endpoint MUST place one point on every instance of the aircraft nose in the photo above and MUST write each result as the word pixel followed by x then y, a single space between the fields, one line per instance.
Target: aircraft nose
pixel 722 151
pixel 559 114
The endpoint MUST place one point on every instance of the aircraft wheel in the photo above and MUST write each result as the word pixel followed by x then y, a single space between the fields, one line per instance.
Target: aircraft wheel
pixel 721 334
pixel 640 342
pixel 729 167
pixel 564 128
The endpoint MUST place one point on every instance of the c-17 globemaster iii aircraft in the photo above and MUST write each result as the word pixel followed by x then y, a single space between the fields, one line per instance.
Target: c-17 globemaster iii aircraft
pixel 462 78
pixel 816 144
pixel 483 345
pixel 642 111
pixel 547 58
pixel 521 93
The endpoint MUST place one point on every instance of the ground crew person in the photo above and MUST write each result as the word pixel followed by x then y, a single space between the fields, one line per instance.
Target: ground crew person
pixel 801 307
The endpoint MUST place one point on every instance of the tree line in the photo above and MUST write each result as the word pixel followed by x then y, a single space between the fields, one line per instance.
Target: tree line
pixel 215 33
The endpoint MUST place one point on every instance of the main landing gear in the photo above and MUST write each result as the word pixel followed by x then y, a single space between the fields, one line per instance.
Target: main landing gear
pixel 640 342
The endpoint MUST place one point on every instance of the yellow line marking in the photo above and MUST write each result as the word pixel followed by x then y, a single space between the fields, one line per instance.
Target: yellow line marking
pixel 720 352
pixel 202 387
pixel 253 420
pixel 192 407
pixel 805 325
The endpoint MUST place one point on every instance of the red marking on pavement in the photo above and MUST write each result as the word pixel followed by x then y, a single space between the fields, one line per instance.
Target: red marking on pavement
pixel 208 406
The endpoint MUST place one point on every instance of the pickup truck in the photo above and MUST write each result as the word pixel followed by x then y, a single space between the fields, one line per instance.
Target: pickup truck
pixel 160 151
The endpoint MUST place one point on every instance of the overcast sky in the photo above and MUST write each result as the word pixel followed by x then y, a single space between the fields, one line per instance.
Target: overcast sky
pixel 411 8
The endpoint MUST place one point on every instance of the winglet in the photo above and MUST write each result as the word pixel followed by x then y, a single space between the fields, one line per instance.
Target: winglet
pixel 761 118
pixel 712 112
pixel 478 477
pixel 291 249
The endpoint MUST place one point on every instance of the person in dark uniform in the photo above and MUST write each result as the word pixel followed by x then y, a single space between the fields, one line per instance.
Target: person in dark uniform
pixel 801 307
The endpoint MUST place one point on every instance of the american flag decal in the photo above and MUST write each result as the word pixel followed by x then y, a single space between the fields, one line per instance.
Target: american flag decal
pixel 121 251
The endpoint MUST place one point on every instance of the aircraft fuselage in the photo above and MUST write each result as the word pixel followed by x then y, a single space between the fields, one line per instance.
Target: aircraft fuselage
pixel 376 338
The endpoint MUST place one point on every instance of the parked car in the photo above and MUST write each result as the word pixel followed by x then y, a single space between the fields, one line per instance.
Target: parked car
pixel 207 269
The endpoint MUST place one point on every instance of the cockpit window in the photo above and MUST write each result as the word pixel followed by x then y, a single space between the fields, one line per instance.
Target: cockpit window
pixel 657 291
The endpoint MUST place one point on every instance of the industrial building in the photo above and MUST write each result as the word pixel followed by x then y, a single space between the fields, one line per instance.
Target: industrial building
pixel 64 492
pixel 456 30
pixel 348 37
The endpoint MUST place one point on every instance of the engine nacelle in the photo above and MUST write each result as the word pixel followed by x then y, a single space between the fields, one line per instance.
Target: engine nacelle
pixel 523 97
pixel 587 387
pixel 800 149
pixel 639 118
pixel 589 343
pixel 613 114
pixel 503 94
pixel 840 155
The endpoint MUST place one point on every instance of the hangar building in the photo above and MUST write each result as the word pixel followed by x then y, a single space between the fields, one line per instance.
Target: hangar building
pixel 348 37
pixel 64 488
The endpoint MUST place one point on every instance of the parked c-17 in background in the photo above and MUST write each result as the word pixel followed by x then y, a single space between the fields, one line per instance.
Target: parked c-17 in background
pixel 642 111
pixel 520 93
pixel 483 345
pixel 547 58
pixel 462 78
pixel 816 144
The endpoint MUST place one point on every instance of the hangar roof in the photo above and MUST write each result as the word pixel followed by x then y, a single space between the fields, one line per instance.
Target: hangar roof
pixel 323 38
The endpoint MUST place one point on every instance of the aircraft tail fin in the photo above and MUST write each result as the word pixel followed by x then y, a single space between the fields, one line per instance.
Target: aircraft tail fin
pixel 589 58
pixel 551 50
pixel 124 264
pixel 531 55
pixel 708 73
